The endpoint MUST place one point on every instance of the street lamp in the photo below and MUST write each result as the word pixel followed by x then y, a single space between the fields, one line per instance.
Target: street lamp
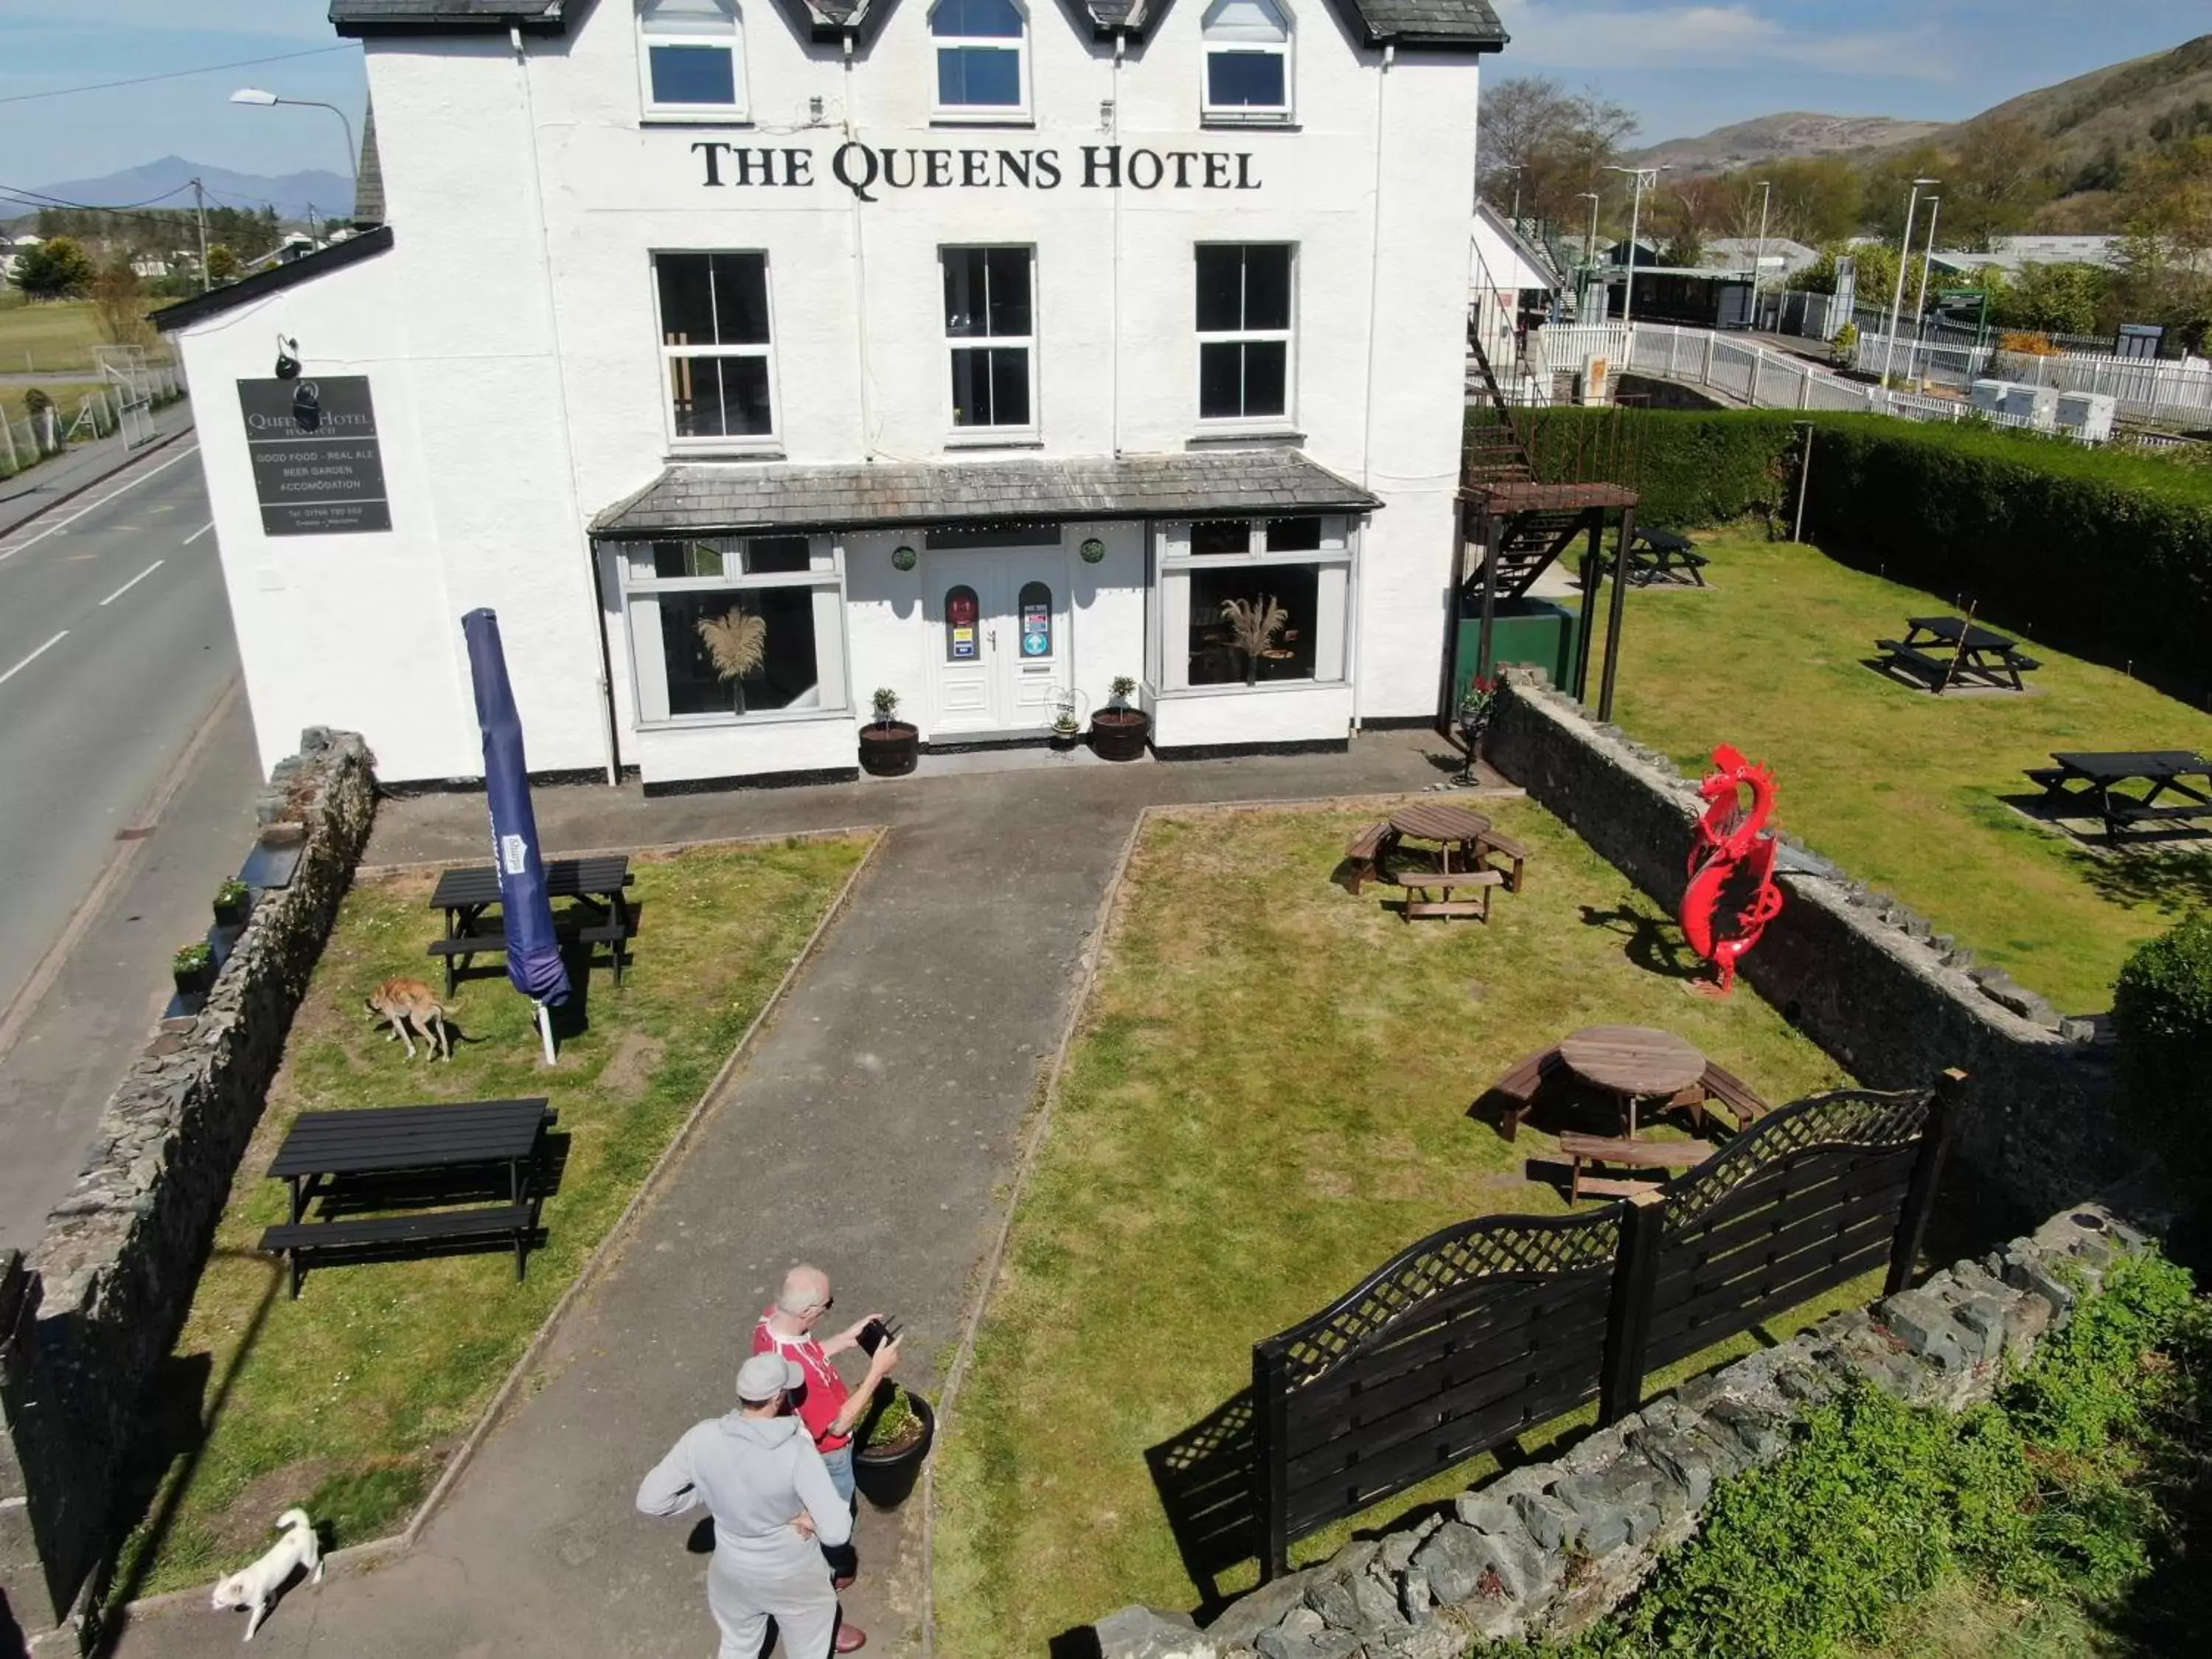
pixel 1513 167
pixel 255 95
pixel 1758 260
pixel 1903 258
pixel 1920 304
pixel 1645 177
pixel 1589 251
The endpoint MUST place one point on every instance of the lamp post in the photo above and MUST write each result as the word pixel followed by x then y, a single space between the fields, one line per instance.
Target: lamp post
pixel 1590 248
pixel 1920 304
pixel 1758 260
pixel 1644 179
pixel 1514 167
pixel 1903 258
pixel 255 95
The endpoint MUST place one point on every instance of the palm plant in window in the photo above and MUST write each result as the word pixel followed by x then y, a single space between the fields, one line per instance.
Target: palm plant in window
pixel 737 642
pixel 1255 628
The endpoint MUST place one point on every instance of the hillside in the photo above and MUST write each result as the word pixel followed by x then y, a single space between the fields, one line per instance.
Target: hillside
pixel 1795 135
pixel 330 193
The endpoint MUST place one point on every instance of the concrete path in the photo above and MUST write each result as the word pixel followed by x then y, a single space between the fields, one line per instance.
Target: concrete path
pixel 37 489
pixel 870 1131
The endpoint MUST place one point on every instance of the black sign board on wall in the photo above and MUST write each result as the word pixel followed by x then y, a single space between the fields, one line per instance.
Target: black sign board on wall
pixel 317 467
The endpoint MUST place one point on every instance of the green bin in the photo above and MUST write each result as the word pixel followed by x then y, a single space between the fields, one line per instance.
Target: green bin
pixel 1523 632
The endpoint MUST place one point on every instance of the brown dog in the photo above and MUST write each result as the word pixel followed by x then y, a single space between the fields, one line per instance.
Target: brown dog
pixel 408 1002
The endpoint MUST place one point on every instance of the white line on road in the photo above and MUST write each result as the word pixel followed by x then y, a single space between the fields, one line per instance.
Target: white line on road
pixel 201 532
pixel 34 657
pixel 64 524
pixel 134 581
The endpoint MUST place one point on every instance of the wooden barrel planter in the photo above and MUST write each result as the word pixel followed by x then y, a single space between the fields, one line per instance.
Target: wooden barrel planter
pixel 1119 734
pixel 886 1473
pixel 887 748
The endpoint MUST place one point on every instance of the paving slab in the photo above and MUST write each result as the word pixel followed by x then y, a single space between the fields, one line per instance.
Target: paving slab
pixel 870 1130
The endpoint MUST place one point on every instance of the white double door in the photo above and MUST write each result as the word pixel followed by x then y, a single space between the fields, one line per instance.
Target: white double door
pixel 998 636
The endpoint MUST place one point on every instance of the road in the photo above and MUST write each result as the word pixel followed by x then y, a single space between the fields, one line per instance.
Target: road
pixel 115 649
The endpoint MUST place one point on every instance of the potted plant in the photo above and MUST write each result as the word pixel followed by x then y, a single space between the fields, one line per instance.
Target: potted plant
pixel 1067 725
pixel 1255 625
pixel 1476 705
pixel 888 745
pixel 233 900
pixel 737 642
pixel 194 969
pixel 1118 733
pixel 1844 349
pixel 894 1438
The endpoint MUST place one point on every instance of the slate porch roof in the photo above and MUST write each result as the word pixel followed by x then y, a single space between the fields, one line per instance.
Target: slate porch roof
pixel 728 498
pixel 1470 25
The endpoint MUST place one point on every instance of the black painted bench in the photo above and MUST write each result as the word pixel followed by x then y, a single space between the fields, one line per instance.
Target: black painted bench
pixel 1918 662
pixel 301 1242
pixel 490 939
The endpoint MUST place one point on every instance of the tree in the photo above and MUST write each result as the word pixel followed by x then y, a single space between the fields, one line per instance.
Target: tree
pixel 2166 263
pixel 57 269
pixel 2054 299
pixel 118 306
pixel 2001 172
pixel 1817 200
pixel 1560 144
pixel 221 264
pixel 1686 216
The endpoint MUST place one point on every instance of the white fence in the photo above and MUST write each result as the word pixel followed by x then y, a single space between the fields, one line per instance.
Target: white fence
pixel 132 388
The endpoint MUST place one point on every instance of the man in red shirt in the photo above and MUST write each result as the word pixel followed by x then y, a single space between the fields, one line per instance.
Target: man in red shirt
pixel 828 1409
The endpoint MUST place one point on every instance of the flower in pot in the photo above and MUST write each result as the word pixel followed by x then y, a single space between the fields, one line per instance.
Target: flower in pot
pixel 737 642
pixel 887 745
pixel 233 900
pixel 194 969
pixel 1255 628
pixel 1118 733
pixel 1066 724
pixel 1476 705
pixel 892 1441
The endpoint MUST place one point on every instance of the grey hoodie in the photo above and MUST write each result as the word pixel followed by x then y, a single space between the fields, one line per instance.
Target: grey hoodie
pixel 754 1474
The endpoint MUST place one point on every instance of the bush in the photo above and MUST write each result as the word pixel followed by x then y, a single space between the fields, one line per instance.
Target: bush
pixel 2162 1007
pixel 1692 468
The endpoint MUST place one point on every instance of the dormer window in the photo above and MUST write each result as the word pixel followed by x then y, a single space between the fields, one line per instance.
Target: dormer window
pixel 691 58
pixel 1247 61
pixel 982 71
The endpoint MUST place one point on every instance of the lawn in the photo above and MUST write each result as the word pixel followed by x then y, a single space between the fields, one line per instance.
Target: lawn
pixel 1908 790
pixel 1269 1097
pixel 41 337
pixel 66 393
pixel 349 1401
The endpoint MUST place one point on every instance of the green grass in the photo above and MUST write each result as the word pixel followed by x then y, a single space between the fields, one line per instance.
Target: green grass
pixel 1268 1098
pixel 66 393
pixel 1905 790
pixel 350 1400
pixel 44 337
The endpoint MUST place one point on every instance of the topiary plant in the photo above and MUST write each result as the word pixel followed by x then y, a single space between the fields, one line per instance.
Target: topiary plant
pixel 2162 1009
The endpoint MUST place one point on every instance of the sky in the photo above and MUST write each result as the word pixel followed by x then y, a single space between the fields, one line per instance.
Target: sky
pixel 1683 69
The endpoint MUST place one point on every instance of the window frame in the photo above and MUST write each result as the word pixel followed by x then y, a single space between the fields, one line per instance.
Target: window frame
pixel 1284 420
pixel 1336 593
pixel 769 442
pixel 738 112
pixel 1017 113
pixel 634 594
pixel 1249 115
pixel 957 435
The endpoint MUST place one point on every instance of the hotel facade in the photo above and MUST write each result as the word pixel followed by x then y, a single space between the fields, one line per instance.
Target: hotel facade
pixel 749 357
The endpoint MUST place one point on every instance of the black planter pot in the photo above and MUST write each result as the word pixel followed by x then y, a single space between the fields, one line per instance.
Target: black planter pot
pixel 888 751
pixel 887 1481
pixel 194 982
pixel 232 912
pixel 1119 734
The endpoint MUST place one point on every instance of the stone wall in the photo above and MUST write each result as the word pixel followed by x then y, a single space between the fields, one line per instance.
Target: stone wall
pixel 112 1277
pixel 1546 1550
pixel 1877 987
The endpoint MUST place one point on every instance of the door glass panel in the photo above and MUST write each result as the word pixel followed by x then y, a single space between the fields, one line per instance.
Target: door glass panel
pixel 1037 620
pixel 961 622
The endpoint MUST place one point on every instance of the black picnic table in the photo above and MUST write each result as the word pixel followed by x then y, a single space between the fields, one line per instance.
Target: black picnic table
pixel 1665 556
pixel 1972 655
pixel 596 884
pixel 2092 779
pixel 381 1157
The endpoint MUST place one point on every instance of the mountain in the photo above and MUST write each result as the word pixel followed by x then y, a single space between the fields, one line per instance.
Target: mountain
pixel 1791 135
pixel 293 193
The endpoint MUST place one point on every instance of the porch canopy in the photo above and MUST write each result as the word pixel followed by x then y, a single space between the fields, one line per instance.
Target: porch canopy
pixel 733 498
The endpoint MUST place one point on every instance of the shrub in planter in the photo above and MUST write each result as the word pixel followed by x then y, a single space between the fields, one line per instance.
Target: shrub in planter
pixel 888 745
pixel 2162 1009
pixel 1118 733
pixel 893 1440
pixel 1066 724
pixel 233 900
pixel 194 969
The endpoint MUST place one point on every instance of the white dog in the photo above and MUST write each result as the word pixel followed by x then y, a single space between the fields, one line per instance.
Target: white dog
pixel 256 1587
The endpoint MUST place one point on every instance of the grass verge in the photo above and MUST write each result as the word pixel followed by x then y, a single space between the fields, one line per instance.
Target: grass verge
pixel 1268 1097
pixel 350 1400
pixel 1907 791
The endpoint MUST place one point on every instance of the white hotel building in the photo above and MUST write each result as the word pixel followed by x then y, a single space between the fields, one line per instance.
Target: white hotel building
pixel 980 349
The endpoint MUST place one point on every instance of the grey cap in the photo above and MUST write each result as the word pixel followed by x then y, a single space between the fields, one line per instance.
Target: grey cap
pixel 765 1376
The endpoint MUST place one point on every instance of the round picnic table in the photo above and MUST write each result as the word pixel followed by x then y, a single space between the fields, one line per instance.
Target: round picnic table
pixel 1444 823
pixel 1633 1061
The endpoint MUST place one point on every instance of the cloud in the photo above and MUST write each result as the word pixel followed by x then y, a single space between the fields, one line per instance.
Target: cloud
pixel 1553 36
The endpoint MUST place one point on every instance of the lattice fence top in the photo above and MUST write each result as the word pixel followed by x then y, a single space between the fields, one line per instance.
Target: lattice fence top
pixel 1848 1118
pixel 1492 1247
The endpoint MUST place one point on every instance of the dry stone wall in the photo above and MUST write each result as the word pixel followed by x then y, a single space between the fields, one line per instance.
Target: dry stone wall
pixel 1546 1550
pixel 100 1301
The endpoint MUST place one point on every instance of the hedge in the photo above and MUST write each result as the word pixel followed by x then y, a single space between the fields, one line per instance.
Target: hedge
pixel 2162 1013
pixel 2102 552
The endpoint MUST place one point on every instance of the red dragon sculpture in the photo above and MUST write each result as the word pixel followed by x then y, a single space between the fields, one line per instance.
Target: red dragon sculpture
pixel 1734 849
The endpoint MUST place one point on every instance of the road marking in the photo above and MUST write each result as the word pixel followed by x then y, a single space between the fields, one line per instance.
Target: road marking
pixel 134 581
pixel 34 657
pixel 94 507
pixel 201 532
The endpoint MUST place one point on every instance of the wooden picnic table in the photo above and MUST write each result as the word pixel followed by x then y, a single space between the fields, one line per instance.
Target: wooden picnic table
pixel 2092 780
pixel 597 883
pixel 1665 556
pixel 1632 1062
pixel 1950 651
pixel 1462 843
pixel 391 1147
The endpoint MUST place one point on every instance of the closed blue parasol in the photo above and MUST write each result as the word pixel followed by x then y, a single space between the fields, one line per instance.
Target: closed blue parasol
pixel 533 950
